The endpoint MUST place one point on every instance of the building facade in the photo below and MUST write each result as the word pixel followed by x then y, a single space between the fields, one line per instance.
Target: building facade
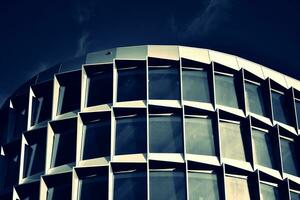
pixel 152 122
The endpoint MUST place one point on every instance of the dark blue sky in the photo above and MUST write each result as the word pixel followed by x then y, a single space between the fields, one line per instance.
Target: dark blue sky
pixel 37 34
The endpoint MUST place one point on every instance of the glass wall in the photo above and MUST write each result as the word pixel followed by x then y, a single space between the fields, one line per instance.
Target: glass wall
pixel 203 186
pixel 165 133
pixel 232 145
pixel 199 135
pixel 226 94
pixel 195 85
pixel 269 192
pixel 255 101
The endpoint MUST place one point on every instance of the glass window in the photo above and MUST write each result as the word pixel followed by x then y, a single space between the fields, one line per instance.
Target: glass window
pixel 69 97
pixel 203 186
pixel 131 84
pixel 100 88
pixel 130 185
pixel 164 83
pixel 268 192
pixel 289 158
pixel 34 157
pixel 165 185
pixel 199 136
pixel 165 134
pixel 64 148
pixel 225 91
pixel 195 85
pixel 96 139
pixel 298 112
pixel 232 141
pixel 131 135
pixel 254 99
pixel 280 108
pixel 60 192
pixel 41 109
pixel 295 195
pixel 237 188
pixel 263 149
pixel 94 186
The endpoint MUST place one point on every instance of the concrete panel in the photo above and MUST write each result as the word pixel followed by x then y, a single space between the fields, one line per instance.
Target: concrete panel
pixel 224 59
pixel 251 67
pixel 132 53
pixel 196 54
pixel 164 52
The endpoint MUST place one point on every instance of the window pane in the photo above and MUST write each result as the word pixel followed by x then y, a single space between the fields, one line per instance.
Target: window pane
pixel 237 188
pixel 262 149
pixel 298 112
pixel 199 136
pixel 131 84
pixel 34 158
pixel 280 108
pixel 203 186
pixel 166 134
pixel 232 141
pixel 164 83
pixel 195 86
pixel 289 158
pixel 131 135
pixel 131 186
pixel 268 192
pixel 295 196
pixel 100 89
pixel 225 91
pixel 60 192
pixel 167 185
pixel 254 99
pixel 70 97
pixel 94 187
pixel 96 139
pixel 64 148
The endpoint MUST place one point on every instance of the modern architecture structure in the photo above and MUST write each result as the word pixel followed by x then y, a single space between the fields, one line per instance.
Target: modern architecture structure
pixel 152 122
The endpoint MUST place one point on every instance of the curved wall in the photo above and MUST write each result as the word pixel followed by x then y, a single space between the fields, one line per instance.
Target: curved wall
pixel 126 122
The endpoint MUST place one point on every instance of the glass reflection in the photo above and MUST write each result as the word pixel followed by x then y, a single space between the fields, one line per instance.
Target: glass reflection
pixel 254 99
pixel 94 187
pixel 289 157
pixel 280 108
pixel 268 192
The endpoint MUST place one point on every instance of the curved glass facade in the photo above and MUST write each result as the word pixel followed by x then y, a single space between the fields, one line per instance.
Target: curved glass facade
pixel 152 122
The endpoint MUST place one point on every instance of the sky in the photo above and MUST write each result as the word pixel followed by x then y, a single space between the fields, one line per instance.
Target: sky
pixel 36 34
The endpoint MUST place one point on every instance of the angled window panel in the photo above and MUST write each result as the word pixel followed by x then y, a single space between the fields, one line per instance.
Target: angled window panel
pixel 172 182
pixel 34 152
pixel 69 92
pixel 295 195
pixel 225 89
pixel 269 192
pixel 64 142
pixel 232 144
pixel 96 136
pixel 264 149
pixel 255 101
pixel 131 80
pixel 297 103
pixel 196 85
pixel 199 135
pixel 165 133
pixel 59 186
pixel 99 85
pixel 237 188
pixel 131 132
pixel 203 186
pixel 130 182
pixel 289 156
pixel 164 79
pixel 281 111
pixel 93 183
pixel 29 190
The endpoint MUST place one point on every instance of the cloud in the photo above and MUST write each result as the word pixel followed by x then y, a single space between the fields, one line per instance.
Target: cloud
pixel 82 44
